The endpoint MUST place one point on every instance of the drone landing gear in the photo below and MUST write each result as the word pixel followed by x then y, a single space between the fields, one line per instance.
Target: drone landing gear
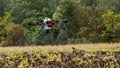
pixel 47 31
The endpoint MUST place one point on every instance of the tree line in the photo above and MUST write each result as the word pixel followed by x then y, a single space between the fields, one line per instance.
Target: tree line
pixel 89 21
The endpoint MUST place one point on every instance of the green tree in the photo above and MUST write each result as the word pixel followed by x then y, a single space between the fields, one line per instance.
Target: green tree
pixel 10 33
pixel 2 7
pixel 111 22
pixel 67 10
pixel 90 24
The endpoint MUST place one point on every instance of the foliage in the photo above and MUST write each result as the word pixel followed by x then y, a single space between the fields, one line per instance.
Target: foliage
pixel 74 59
pixel 93 21
pixel 10 33
pixel 67 11
pixel 110 20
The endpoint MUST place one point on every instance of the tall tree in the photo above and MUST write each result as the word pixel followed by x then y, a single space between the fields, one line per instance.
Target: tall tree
pixel 11 34
pixel 2 7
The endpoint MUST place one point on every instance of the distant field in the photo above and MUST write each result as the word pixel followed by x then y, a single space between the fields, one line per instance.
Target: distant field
pixel 67 56
pixel 63 48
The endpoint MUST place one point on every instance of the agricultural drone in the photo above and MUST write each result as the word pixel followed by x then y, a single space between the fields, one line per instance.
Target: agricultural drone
pixel 47 23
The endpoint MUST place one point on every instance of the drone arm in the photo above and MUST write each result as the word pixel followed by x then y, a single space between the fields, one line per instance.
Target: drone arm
pixel 65 21
pixel 60 21
pixel 31 24
pixel 39 22
pixel 34 23
pixel 55 21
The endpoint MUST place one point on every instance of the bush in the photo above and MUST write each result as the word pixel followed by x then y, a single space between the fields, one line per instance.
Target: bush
pixel 10 33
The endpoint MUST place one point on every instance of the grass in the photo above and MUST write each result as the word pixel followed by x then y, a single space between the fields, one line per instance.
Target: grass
pixel 63 48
